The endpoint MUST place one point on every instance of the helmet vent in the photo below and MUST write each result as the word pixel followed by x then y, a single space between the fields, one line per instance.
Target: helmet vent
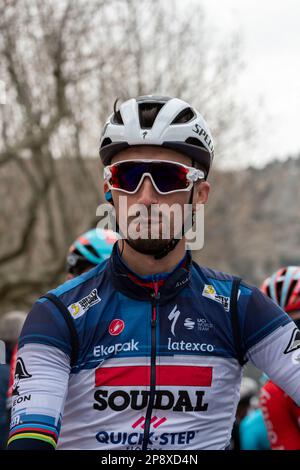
pixel 186 115
pixel 290 291
pixel 148 113
pixel 106 141
pixel 117 118
pixel 194 141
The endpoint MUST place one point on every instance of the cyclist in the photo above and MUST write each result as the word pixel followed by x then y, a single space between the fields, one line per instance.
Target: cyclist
pixel 281 413
pixel 253 431
pixel 248 391
pixel 10 328
pixel 145 351
pixel 88 250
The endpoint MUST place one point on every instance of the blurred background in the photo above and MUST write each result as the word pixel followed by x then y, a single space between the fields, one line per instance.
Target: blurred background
pixel 62 65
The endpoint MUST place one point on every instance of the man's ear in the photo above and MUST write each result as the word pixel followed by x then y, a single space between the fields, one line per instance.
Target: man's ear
pixel 108 195
pixel 201 191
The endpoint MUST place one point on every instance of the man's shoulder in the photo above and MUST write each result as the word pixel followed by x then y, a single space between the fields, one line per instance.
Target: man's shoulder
pixel 80 286
pixel 221 279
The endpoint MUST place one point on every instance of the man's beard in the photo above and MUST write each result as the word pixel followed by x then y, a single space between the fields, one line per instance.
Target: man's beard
pixel 150 235
pixel 147 247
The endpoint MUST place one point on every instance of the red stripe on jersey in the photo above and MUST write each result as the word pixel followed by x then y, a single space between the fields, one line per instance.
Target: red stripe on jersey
pixel 191 376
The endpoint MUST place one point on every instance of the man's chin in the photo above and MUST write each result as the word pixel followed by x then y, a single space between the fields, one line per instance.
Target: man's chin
pixel 147 247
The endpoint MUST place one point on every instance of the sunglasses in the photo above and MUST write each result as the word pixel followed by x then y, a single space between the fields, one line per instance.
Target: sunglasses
pixel 166 176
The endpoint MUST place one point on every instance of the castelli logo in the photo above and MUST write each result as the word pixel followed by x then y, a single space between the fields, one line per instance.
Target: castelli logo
pixel 116 327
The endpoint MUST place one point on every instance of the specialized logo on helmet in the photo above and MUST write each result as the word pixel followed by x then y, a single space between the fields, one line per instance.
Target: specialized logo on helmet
pixel 294 342
pixel 205 136
pixel 210 292
pixel 79 308
pixel 116 327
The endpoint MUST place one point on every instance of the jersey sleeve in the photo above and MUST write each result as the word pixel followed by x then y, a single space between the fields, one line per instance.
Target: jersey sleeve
pixel 41 380
pixel 281 421
pixel 272 342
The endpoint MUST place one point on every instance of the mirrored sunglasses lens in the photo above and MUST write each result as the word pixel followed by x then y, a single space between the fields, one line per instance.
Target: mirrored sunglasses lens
pixel 169 176
pixel 127 175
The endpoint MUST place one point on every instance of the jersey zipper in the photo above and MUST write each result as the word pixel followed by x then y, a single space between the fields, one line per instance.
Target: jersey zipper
pixel 155 297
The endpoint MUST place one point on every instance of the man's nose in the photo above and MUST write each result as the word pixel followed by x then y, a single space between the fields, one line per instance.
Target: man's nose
pixel 147 194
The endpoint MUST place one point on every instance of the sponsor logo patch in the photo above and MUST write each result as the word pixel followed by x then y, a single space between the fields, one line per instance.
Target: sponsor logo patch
pixel 294 342
pixel 210 293
pixel 116 327
pixel 137 400
pixel 100 351
pixel 20 374
pixel 183 346
pixel 204 325
pixel 79 308
pixel 173 317
pixel 189 324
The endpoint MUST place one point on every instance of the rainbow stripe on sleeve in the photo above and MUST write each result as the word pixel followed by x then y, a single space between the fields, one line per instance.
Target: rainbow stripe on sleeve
pixel 40 427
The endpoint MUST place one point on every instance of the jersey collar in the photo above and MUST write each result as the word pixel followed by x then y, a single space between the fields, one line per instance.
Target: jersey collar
pixel 166 285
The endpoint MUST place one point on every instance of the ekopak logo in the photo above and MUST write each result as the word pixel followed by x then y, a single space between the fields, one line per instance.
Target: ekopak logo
pixel 116 327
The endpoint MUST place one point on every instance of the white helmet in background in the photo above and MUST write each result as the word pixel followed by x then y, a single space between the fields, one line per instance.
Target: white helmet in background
pixel 174 124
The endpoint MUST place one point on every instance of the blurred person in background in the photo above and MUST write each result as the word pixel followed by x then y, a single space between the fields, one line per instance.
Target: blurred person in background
pixel 248 391
pixel 88 250
pixel 281 413
pixel 11 324
pixel 252 431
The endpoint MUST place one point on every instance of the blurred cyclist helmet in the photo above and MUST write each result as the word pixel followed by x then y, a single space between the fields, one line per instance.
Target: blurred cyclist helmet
pixel 161 121
pixel 284 288
pixel 90 249
pixel 11 324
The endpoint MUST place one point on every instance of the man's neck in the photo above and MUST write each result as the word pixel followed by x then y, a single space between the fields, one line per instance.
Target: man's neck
pixel 144 265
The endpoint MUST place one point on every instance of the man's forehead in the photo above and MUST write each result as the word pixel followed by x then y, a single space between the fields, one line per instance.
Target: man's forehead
pixel 152 152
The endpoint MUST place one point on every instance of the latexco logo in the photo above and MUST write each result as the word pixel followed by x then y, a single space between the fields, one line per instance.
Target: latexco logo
pixel 183 346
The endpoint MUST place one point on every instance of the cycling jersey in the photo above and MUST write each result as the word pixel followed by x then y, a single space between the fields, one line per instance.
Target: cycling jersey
pixel 157 365
pixel 281 415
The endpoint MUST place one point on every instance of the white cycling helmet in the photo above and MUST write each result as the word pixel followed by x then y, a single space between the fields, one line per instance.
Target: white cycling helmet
pixel 158 120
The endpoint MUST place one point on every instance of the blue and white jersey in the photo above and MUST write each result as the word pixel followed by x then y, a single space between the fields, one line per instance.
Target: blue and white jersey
pixel 157 366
